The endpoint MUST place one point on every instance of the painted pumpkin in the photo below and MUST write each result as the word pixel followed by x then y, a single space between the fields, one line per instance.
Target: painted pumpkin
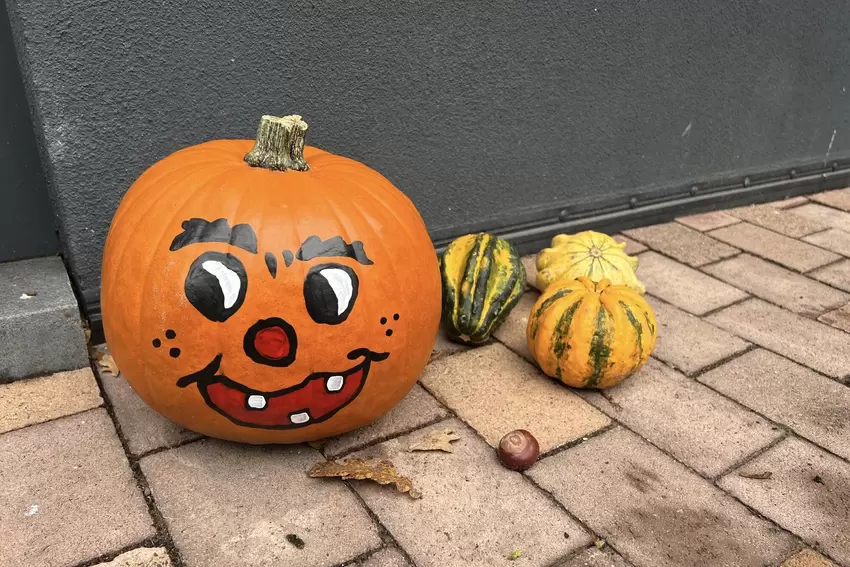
pixel 591 254
pixel 268 292
pixel 483 279
pixel 590 335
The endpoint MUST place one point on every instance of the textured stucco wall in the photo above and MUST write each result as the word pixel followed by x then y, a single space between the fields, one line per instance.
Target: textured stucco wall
pixel 477 110
pixel 27 225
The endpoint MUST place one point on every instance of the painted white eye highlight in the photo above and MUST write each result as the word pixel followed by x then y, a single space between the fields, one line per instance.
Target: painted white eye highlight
pixel 228 281
pixel 341 284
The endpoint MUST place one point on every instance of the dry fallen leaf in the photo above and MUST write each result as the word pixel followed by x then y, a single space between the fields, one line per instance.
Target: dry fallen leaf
pixel 437 440
pixel 514 555
pixel 757 475
pixel 106 362
pixel 382 472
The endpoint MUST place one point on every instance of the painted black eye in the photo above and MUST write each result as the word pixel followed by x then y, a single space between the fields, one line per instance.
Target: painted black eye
pixel 330 291
pixel 216 285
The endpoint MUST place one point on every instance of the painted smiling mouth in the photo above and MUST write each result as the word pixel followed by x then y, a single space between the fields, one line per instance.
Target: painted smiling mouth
pixel 317 398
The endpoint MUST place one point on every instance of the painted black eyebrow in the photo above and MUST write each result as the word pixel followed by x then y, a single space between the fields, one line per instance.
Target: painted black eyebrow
pixel 196 231
pixel 315 247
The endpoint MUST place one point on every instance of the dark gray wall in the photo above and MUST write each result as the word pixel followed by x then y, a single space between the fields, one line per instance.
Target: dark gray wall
pixel 27 226
pixel 477 110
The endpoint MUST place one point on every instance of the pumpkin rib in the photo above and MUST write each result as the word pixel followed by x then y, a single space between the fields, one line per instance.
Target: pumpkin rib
pixel 467 283
pixel 504 294
pixel 505 301
pixel 481 283
pixel 600 350
pixel 545 306
pixel 163 237
pixel 164 188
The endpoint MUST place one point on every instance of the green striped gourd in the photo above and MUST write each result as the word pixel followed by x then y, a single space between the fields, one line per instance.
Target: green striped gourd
pixel 590 335
pixel 483 279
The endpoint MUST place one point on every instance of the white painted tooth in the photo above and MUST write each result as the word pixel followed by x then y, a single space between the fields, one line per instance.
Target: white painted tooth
pixel 302 417
pixel 256 401
pixel 335 383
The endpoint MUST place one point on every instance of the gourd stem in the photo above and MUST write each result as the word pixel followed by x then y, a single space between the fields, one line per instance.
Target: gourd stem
pixel 280 144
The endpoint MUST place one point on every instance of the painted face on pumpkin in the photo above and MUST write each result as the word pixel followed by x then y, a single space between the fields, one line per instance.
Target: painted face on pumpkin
pixel 216 286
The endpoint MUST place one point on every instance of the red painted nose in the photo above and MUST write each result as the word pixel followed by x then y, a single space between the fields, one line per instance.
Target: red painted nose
pixel 272 343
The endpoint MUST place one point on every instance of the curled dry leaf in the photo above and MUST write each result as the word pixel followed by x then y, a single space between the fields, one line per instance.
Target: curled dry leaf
pixel 436 440
pixel 380 471
pixel 757 475
pixel 106 362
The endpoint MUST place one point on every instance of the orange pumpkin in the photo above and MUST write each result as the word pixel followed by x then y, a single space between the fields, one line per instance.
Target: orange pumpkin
pixel 268 292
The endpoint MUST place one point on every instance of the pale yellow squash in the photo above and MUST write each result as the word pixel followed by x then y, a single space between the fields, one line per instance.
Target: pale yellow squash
pixel 591 254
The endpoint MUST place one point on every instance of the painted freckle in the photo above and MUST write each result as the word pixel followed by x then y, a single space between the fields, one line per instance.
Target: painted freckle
pixel 395 317
pixel 389 332
pixel 157 343
pixel 170 334
pixel 174 353
pixel 383 320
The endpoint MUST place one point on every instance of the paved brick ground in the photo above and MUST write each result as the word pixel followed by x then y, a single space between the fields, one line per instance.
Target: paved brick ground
pixel 730 448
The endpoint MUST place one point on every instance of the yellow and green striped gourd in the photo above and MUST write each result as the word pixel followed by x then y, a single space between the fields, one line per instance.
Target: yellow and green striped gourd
pixel 483 279
pixel 590 335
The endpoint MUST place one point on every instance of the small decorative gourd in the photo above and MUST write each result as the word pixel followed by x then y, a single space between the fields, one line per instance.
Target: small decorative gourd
pixel 483 278
pixel 590 335
pixel 591 254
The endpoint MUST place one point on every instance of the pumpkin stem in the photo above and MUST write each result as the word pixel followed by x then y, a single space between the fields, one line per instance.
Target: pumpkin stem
pixel 280 144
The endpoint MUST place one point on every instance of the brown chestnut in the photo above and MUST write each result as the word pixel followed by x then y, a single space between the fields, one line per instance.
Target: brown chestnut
pixel 518 450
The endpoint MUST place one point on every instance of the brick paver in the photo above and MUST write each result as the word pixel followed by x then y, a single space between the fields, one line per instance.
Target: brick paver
pixel 495 391
pixel 472 511
pixel 825 215
pixel 445 347
pixel 838 318
pixel 653 510
pixel 594 557
pixel 141 557
pixel 788 289
pixel 807 493
pixel 778 220
pixel 684 287
pixel 814 406
pixel 67 493
pixel 807 558
pixel 512 331
pixel 530 264
pixel 37 400
pixel 696 425
pixel 808 342
pixel 781 249
pixel 838 199
pixel 708 221
pixel 143 428
pixel 790 202
pixel 388 557
pixel 235 505
pixel 418 408
pixel 832 239
pixel 837 275
pixel 632 247
pixel 682 243
pixel 679 331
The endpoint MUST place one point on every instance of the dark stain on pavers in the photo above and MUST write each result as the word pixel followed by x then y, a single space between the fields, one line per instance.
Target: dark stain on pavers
pixel 684 540
pixel 641 478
